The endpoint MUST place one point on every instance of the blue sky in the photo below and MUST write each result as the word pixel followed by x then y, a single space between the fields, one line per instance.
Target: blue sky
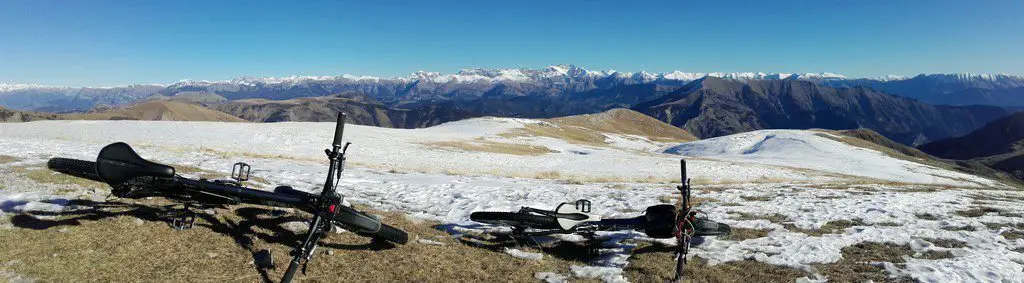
pixel 93 43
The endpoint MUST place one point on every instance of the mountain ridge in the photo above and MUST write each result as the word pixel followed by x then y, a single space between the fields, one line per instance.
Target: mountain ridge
pixel 712 107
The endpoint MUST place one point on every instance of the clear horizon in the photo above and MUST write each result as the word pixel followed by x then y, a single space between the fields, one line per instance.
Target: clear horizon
pixel 110 43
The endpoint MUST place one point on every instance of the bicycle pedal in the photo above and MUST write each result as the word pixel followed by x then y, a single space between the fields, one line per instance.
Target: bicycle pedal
pixel 264 259
pixel 583 205
pixel 183 222
pixel 183 219
pixel 240 172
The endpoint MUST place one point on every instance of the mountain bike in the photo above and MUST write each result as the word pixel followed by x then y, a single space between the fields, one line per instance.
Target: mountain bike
pixel 131 176
pixel 660 221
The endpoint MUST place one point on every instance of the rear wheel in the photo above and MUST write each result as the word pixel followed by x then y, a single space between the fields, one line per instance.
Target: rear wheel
pixel 74 167
pixel 515 219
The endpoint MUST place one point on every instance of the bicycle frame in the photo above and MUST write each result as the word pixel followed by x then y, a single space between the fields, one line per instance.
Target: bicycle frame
pixel 327 204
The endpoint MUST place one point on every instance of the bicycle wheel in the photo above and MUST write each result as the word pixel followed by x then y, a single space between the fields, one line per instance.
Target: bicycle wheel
pixel 392 234
pixel 515 219
pixel 74 167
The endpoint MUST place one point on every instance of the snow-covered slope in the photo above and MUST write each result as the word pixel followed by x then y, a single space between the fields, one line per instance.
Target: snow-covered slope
pixel 403 170
pixel 810 150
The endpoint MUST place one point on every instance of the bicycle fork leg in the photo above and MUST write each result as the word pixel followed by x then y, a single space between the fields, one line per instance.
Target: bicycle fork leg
pixel 304 251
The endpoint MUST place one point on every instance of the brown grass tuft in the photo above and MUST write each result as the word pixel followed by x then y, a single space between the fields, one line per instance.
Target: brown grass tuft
pixel 856 263
pixel 774 218
pixel 831 227
pixel 492 147
pixel 8 159
pixel 947 243
pixel 1013 234
pixel 757 198
pixel 927 216
pixel 740 234
pixel 571 134
pixel 977 211
pixel 629 122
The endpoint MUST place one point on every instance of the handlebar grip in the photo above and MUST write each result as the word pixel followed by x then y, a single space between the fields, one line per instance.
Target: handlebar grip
pixel 339 130
pixel 288 274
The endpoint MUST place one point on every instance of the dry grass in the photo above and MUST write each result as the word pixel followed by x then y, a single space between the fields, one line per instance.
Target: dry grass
pixel 997 226
pixel 959 228
pixel 654 263
pixel 234 155
pixel 8 159
pixel 947 243
pixel 571 134
pixel 46 176
pixel 1013 234
pixel 543 175
pixel 628 122
pixel 114 245
pixel 856 263
pixel 977 211
pixel 773 218
pixel 831 227
pixel 927 216
pixel 491 147
pixel 757 198
pixel 158 111
pixel 740 234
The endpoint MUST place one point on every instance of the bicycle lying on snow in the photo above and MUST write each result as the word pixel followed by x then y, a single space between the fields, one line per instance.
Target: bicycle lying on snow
pixel 659 221
pixel 131 176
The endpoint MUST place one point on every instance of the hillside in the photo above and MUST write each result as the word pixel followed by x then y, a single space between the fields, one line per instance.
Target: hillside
pixel 999 144
pixel 10 115
pixel 628 122
pixel 157 111
pixel 361 109
pixel 869 139
pixel 712 107
pixel 1001 136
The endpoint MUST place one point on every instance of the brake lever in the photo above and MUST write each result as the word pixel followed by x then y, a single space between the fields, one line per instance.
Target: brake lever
pixel 341 162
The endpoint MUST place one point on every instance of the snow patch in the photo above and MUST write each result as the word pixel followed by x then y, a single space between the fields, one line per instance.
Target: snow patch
pixel 524 255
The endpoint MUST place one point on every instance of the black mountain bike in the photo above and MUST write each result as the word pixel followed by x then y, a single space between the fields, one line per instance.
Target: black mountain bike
pixel 659 221
pixel 131 176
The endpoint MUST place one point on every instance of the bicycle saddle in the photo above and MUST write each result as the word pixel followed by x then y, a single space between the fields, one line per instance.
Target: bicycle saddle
pixel 118 162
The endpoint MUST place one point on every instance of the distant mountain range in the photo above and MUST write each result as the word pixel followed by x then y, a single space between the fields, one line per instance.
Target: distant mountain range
pixel 706 104
pixel 471 84
pixel 949 89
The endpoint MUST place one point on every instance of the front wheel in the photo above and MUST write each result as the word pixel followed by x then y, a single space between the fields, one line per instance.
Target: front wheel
pixel 392 234
pixel 515 219
pixel 369 226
